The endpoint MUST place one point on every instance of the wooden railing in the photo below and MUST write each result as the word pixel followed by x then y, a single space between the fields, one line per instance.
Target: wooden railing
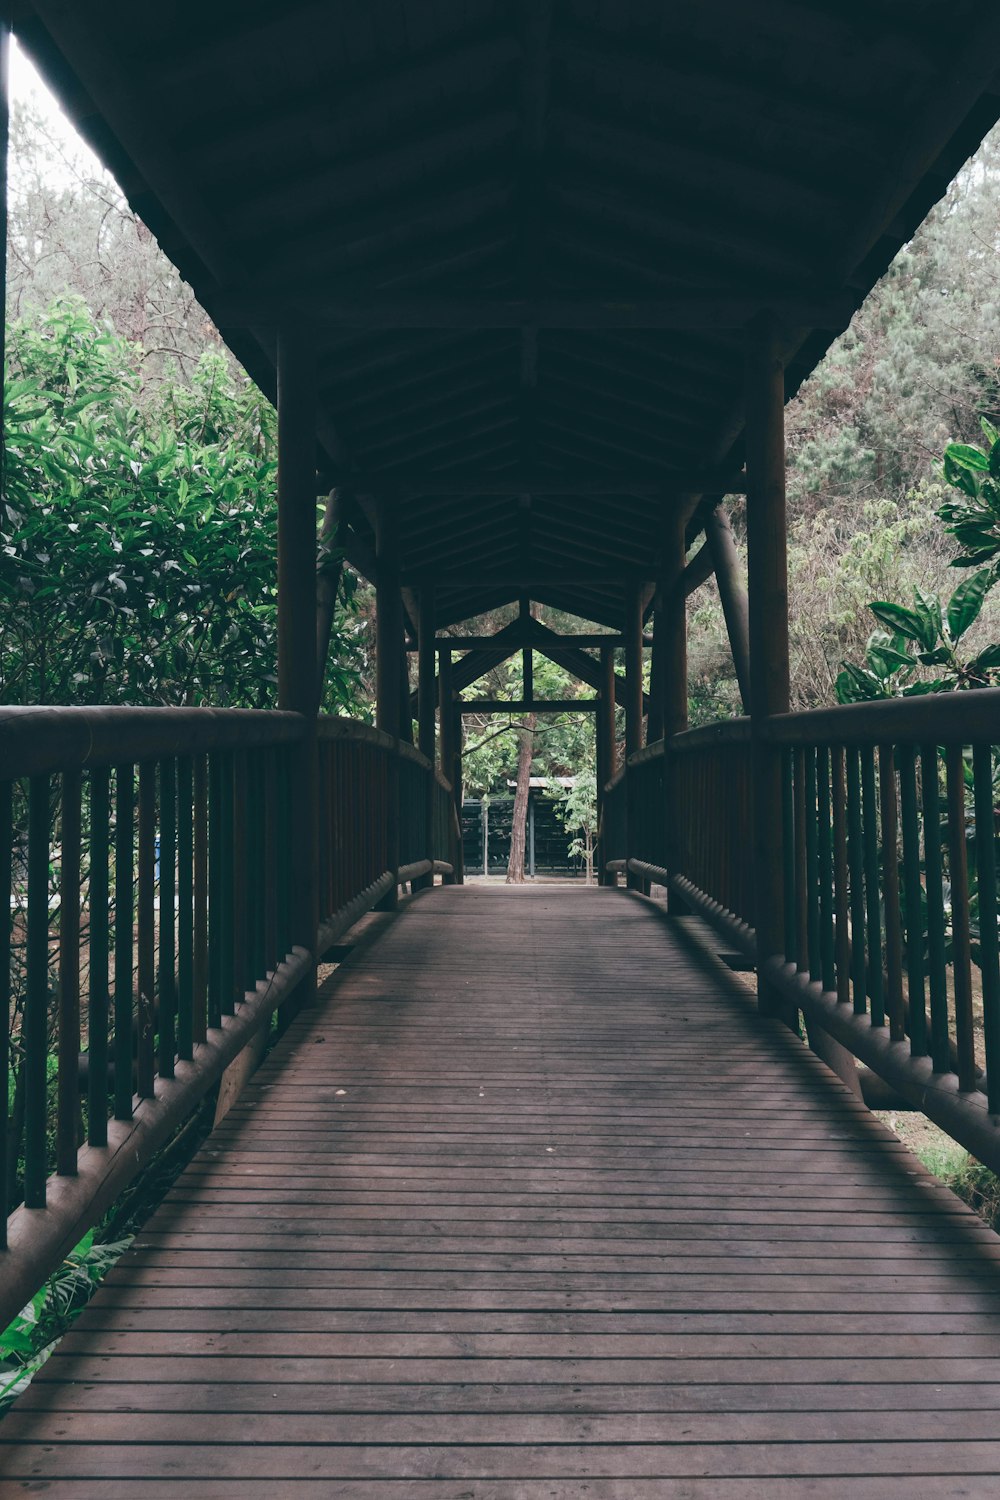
pixel 149 876
pixel 890 913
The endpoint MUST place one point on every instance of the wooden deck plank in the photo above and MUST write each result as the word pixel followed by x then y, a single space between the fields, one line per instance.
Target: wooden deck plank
pixel 531 1204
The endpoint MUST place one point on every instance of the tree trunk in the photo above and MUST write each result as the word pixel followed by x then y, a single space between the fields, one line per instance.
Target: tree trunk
pixel 519 825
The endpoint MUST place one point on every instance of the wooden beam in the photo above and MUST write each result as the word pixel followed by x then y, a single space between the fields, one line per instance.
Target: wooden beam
pixel 401 484
pixel 527 705
pixel 692 311
pixel 487 642
pixel 519 579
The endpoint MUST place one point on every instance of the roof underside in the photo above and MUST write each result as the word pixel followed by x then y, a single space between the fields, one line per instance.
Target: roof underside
pixel 529 237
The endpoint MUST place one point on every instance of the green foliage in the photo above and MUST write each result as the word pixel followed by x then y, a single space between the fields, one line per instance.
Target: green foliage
pixel 138 540
pixel 577 808
pixel 928 634
pixel 973 516
pixel 28 1340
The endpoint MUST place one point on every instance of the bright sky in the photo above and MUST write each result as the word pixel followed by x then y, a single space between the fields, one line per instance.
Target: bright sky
pixel 27 88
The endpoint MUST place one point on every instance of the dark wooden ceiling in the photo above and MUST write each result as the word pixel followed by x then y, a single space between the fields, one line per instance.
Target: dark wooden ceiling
pixel 529 236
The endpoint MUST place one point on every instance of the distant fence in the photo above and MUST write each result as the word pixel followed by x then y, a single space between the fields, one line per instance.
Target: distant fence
pixel 486 834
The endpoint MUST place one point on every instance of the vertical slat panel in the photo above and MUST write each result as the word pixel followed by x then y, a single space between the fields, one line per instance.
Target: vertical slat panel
pixel 6 923
pixel 801 862
pixel 961 965
pixel 215 861
pixel 146 933
pixel 812 867
pixel 788 848
pixel 200 956
pixel 98 994
pixel 989 961
pixel 873 914
pixel 185 909
pixel 124 937
pixel 167 924
pixel 227 851
pixel 936 971
pixel 856 867
pixel 34 1028
pixel 890 894
pixel 912 900
pixel 842 955
pixel 825 868
pixel 68 1015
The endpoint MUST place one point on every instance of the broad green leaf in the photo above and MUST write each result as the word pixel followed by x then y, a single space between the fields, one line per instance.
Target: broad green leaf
pixel 967 601
pixel 967 456
pixel 898 619
pixel 928 609
pixel 987 659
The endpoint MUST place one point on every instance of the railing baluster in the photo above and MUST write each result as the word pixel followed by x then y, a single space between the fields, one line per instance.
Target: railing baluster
pixel 215 859
pixel 989 960
pixel 936 973
pixel 856 867
pixel 825 869
pixel 958 863
pixel 6 927
pixel 227 854
pixel 168 924
pixel 68 1016
pixel 146 930
pixel 200 956
pixel 801 862
pixel 34 1026
pixel 912 900
pixel 890 894
pixel 842 956
pixel 873 916
pixel 812 868
pixel 124 937
pixel 185 910
pixel 241 894
pixel 98 1008
pixel 788 852
pixel 270 860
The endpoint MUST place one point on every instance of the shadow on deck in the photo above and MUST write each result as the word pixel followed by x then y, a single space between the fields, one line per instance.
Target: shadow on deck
pixel 533 1205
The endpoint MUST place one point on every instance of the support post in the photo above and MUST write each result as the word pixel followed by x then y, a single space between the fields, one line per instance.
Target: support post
pixel 426 684
pixel 446 709
pixel 388 675
pixel 605 756
pixel 735 605
pixel 633 716
pixel 672 671
pixel 426 691
pixel 768 630
pixel 297 646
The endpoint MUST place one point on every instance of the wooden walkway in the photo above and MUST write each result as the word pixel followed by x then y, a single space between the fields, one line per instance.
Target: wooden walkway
pixel 533 1206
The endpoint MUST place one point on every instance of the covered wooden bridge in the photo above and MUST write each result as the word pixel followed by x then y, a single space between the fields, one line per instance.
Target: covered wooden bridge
pixel 533 1199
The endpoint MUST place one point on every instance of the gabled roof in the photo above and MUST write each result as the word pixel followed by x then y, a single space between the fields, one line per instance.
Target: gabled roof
pixel 529 236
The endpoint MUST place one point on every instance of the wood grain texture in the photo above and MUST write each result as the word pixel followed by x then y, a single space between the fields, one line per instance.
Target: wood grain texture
pixel 533 1205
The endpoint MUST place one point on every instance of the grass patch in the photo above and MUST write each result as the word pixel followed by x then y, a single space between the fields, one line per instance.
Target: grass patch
pixel 968 1179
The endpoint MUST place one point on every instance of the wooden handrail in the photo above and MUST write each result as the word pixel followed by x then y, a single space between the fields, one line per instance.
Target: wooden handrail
pixel 36 741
